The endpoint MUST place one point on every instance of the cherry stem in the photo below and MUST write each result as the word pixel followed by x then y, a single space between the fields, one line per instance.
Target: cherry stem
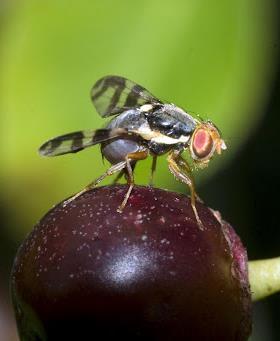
pixel 264 277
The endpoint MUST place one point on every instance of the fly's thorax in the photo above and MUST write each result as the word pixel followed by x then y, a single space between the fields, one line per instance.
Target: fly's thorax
pixel 171 121
pixel 158 149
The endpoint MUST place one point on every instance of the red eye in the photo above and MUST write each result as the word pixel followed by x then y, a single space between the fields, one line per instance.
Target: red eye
pixel 202 144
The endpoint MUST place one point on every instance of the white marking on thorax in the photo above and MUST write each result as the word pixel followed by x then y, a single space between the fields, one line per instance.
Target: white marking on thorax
pixel 163 139
pixel 150 135
pixel 146 107
pixel 145 132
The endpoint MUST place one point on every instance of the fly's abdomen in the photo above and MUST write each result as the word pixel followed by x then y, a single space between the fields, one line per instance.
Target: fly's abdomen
pixel 117 150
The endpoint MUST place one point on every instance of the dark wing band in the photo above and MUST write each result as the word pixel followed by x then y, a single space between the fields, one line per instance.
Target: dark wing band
pixel 79 140
pixel 112 95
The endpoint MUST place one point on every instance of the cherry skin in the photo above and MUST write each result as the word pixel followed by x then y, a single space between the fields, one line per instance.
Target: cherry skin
pixel 87 271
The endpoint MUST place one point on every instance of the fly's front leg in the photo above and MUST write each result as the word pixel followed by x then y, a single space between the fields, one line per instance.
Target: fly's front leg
pixel 115 168
pixel 184 166
pixel 130 158
pixel 181 170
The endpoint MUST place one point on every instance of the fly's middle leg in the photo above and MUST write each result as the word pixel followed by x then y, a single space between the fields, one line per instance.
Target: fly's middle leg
pixel 154 165
pixel 130 164
pixel 118 177
pixel 122 173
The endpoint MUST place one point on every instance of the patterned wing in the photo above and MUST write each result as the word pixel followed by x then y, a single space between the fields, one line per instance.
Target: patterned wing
pixel 112 95
pixel 79 140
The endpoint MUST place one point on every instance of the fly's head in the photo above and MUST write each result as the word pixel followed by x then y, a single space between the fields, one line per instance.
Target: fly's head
pixel 205 141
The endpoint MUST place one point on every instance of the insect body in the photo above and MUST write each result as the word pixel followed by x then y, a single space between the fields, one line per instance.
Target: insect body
pixel 141 125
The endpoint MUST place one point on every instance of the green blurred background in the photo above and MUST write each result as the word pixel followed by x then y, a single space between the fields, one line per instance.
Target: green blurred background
pixel 218 58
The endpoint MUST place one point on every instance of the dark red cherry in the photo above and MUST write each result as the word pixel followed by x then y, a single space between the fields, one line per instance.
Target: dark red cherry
pixel 87 272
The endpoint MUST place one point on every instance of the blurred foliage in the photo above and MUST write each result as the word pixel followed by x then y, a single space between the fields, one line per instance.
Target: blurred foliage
pixel 210 57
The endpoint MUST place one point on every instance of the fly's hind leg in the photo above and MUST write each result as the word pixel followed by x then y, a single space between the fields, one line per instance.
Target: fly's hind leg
pixel 112 170
pixel 181 170
pixel 130 164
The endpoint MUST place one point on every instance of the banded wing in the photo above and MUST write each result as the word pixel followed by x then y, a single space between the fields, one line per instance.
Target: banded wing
pixel 112 95
pixel 74 142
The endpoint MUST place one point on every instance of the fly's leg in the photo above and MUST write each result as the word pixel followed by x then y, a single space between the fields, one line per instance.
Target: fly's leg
pixel 123 172
pixel 187 170
pixel 130 182
pixel 154 165
pixel 181 170
pixel 113 169
pixel 118 177
pixel 130 161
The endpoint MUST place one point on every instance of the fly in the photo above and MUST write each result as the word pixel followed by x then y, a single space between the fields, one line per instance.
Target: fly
pixel 141 125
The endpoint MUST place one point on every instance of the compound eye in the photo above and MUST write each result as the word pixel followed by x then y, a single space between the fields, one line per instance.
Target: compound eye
pixel 202 144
